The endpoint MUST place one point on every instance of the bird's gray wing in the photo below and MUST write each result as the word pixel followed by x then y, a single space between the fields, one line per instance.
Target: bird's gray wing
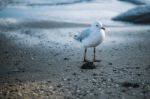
pixel 82 35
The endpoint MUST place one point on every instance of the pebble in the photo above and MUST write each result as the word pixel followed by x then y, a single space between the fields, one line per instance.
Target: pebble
pixel 74 73
pixel 99 89
pixel 110 63
pixel 78 90
pixel 66 58
pixel 51 87
pixel 130 85
pixel 32 58
pixel 94 74
pixel 116 85
pixel 94 80
pixel 16 70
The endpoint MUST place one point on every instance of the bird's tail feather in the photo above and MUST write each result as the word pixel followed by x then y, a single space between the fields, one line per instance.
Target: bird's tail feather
pixel 74 36
pixel 71 34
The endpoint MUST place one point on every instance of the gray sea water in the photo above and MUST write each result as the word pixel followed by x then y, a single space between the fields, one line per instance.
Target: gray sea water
pixel 76 11
pixel 22 16
pixel 42 2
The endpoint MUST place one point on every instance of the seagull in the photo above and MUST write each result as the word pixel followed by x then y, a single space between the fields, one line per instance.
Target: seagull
pixel 91 37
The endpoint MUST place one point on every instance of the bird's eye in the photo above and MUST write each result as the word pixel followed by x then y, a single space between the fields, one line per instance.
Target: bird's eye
pixel 97 25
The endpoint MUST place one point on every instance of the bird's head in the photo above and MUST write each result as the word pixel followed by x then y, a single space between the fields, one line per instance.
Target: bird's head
pixel 98 25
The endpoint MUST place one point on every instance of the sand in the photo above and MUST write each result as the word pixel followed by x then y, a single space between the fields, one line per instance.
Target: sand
pixel 36 61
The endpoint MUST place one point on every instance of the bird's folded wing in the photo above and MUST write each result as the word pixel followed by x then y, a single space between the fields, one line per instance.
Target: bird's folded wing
pixel 82 35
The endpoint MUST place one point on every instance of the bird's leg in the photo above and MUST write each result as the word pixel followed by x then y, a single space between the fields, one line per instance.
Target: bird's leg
pixel 94 59
pixel 85 55
pixel 94 54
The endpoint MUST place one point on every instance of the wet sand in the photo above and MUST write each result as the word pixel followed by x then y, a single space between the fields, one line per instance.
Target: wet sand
pixel 43 63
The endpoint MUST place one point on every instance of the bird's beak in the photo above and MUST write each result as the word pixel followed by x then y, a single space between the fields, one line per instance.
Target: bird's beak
pixel 103 28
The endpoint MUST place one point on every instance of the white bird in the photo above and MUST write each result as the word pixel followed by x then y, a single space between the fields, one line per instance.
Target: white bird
pixel 91 37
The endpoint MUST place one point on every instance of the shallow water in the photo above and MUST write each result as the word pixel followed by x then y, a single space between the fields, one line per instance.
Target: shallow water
pixel 34 16
pixel 84 12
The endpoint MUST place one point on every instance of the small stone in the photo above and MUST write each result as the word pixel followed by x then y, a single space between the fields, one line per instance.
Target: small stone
pixel 95 94
pixel 123 90
pixel 66 70
pixel 129 84
pixel 102 92
pixel 32 58
pixel 94 80
pixel 137 67
pixel 91 90
pixel 74 73
pixel 99 89
pixel 110 63
pixel 94 74
pixel 68 79
pixel 117 85
pixel 6 52
pixel 66 58
pixel 64 79
pixel 78 90
pixel 35 94
pixel 49 81
pixel 139 74
pixel 16 70
pixel 20 94
pixel 58 86
pixel 108 86
pixel 49 64
pixel 51 87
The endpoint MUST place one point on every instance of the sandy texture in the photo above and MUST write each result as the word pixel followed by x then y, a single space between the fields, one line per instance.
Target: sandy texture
pixel 33 61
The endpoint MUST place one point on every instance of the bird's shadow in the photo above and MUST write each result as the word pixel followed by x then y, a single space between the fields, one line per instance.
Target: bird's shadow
pixel 88 65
